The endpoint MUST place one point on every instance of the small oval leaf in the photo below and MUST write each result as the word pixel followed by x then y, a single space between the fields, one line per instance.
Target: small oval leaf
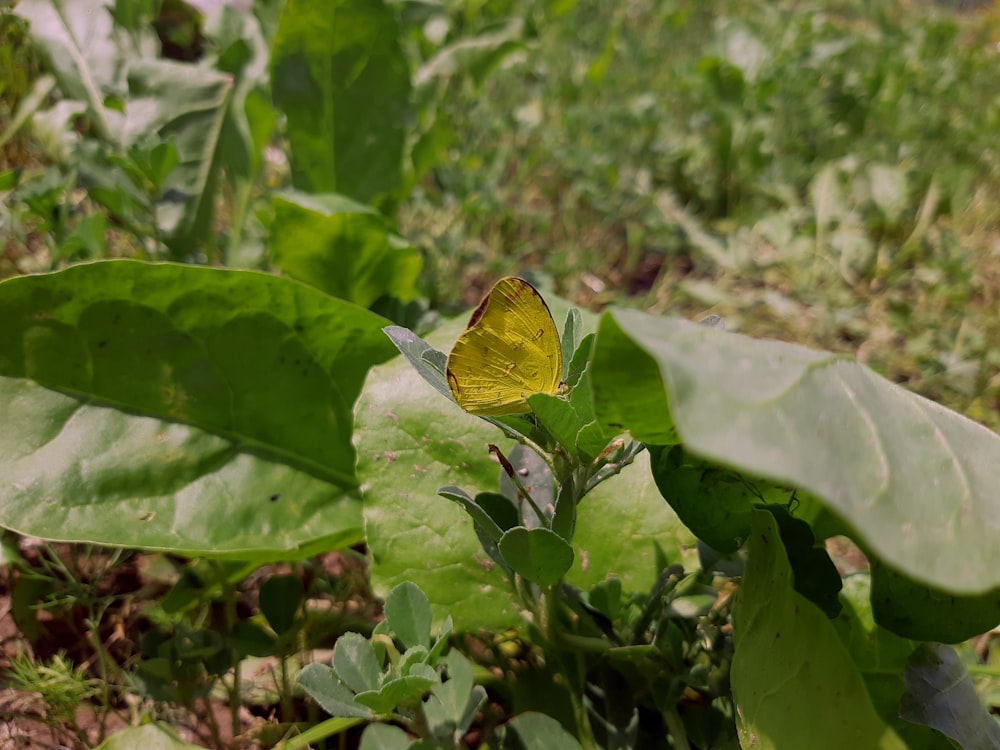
pixel 539 555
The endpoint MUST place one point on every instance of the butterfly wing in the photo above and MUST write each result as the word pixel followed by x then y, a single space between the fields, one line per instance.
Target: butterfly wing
pixel 509 350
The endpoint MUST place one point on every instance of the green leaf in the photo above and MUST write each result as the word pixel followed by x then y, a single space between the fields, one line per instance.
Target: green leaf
pixel 384 737
pixel 342 80
pixel 412 440
pixel 484 522
pixel 535 476
pixel 10 178
pixel 500 509
pixel 557 416
pixel 572 336
pixel 617 369
pixel 201 581
pixel 423 669
pixel 28 592
pixel 460 673
pixel 591 440
pixel 399 691
pixel 716 504
pixel 441 643
pixel 431 140
pixel 355 663
pixel 243 53
pixel 881 657
pixel 158 736
pixel 88 240
pixel 409 614
pixel 430 363
pixel 450 712
pixel 539 555
pixel 453 704
pixel 534 731
pixel 503 514
pixel 342 247
pixel 476 55
pixel 940 694
pixel 564 517
pixel 280 600
pixel 321 682
pixel 187 106
pixel 247 638
pixel 77 37
pixel 925 613
pixel 792 679
pixel 914 480
pixel 606 597
pixel 413 659
pixel 189 409
pixel 813 573
pixel 29 105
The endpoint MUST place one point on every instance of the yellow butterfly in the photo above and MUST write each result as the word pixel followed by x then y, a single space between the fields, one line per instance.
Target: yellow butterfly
pixel 509 350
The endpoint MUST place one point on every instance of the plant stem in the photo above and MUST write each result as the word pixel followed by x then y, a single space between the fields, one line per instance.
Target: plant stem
pixel 553 635
pixel 676 728
pixel 229 597
pixel 286 691
pixel 241 202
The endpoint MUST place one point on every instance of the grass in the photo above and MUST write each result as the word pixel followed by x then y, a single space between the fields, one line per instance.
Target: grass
pixel 825 173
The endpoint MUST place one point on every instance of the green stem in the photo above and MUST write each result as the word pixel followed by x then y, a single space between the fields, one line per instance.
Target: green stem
pixel 213 725
pixel 286 692
pixel 229 598
pixel 104 660
pixel 241 203
pixel 676 728
pixel 553 635
pixel 523 440
pixel 531 501
pixel 611 469
pixel 521 489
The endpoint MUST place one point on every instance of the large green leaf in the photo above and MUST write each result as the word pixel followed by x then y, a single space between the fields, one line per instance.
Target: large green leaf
pixel 344 248
pixel 342 80
pixel 940 695
pixel 916 481
pixel 244 53
pixel 714 503
pixel 186 106
pixel 923 613
pixel 881 657
pixel 794 683
pixel 78 37
pixel 188 409
pixel 412 440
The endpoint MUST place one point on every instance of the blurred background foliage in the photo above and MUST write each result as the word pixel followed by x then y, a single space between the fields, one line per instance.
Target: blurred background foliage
pixel 819 172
